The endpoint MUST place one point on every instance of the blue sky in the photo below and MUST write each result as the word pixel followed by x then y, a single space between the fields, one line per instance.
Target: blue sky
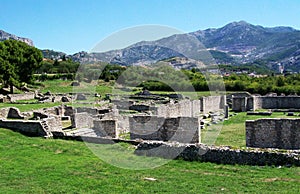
pixel 75 25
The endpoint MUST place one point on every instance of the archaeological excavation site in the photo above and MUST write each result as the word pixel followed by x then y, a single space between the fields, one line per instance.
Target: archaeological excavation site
pixel 182 127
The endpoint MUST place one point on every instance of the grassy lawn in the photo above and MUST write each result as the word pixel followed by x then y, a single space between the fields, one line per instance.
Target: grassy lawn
pixel 36 165
pixel 29 107
pixel 62 86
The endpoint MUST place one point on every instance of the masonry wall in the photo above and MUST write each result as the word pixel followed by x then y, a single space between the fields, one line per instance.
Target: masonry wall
pixel 182 108
pixel 181 129
pixel 4 112
pixel 243 104
pixel 54 123
pixel 81 120
pixel 31 128
pixel 265 102
pixel 212 103
pixel 277 102
pixel 223 155
pixel 25 96
pixel 273 133
pixel 105 128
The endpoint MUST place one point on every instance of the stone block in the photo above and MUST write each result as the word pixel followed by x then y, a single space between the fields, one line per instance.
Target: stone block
pixel 14 113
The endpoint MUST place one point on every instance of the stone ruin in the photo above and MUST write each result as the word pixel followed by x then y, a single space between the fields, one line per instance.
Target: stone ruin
pixel 243 103
pixel 169 120
pixel 273 133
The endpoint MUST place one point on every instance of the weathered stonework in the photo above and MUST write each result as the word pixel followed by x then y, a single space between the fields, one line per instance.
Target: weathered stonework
pixel 14 113
pixel 242 104
pixel 4 112
pixel 81 120
pixel 273 133
pixel 30 128
pixel 221 155
pixel 181 129
pixel 105 128
pixel 25 96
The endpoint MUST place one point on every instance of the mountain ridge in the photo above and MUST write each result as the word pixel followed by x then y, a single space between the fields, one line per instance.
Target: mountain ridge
pixel 6 36
pixel 235 43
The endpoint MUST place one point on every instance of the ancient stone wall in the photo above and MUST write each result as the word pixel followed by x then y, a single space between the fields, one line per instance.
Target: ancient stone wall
pixel 182 108
pixel 81 120
pixel 14 113
pixel 53 123
pixel 276 102
pixel 212 103
pixel 243 104
pixel 265 102
pixel 4 112
pixel 31 128
pixel 221 155
pixel 25 96
pixel 105 128
pixel 181 129
pixel 273 133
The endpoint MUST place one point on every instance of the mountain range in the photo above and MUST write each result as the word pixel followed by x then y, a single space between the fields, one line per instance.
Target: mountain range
pixel 236 43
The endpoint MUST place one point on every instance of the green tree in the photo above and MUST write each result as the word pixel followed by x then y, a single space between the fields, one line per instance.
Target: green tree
pixel 18 61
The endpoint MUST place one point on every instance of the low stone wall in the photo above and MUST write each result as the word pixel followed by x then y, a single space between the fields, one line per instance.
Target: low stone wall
pixel 182 108
pixel 53 123
pixel 25 96
pixel 181 129
pixel 220 155
pixel 212 103
pixel 265 102
pixel 276 102
pixel 30 128
pixel 81 120
pixel 4 112
pixel 105 128
pixel 14 113
pixel 273 133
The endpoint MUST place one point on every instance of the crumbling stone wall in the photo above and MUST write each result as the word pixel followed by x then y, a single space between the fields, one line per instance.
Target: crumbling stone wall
pixel 181 129
pixel 243 104
pixel 265 102
pixel 221 155
pixel 273 133
pixel 4 112
pixel 25 96
pixel 106 128
pixel 14 113
pixel 31 128
pixel 212 103
pixel 276 102
pixel 182 108
pixel 53 123
pixel 81 120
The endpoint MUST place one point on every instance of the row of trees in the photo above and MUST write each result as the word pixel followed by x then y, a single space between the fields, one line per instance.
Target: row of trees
pixel 19 62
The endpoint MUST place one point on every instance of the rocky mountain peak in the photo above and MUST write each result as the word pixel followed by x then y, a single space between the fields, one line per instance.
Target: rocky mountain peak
pixel 6 36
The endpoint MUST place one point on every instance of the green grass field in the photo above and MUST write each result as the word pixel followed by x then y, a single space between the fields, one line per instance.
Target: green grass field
pixel 36 165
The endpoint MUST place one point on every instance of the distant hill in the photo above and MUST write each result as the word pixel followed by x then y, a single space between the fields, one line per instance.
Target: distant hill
pixel 7 36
